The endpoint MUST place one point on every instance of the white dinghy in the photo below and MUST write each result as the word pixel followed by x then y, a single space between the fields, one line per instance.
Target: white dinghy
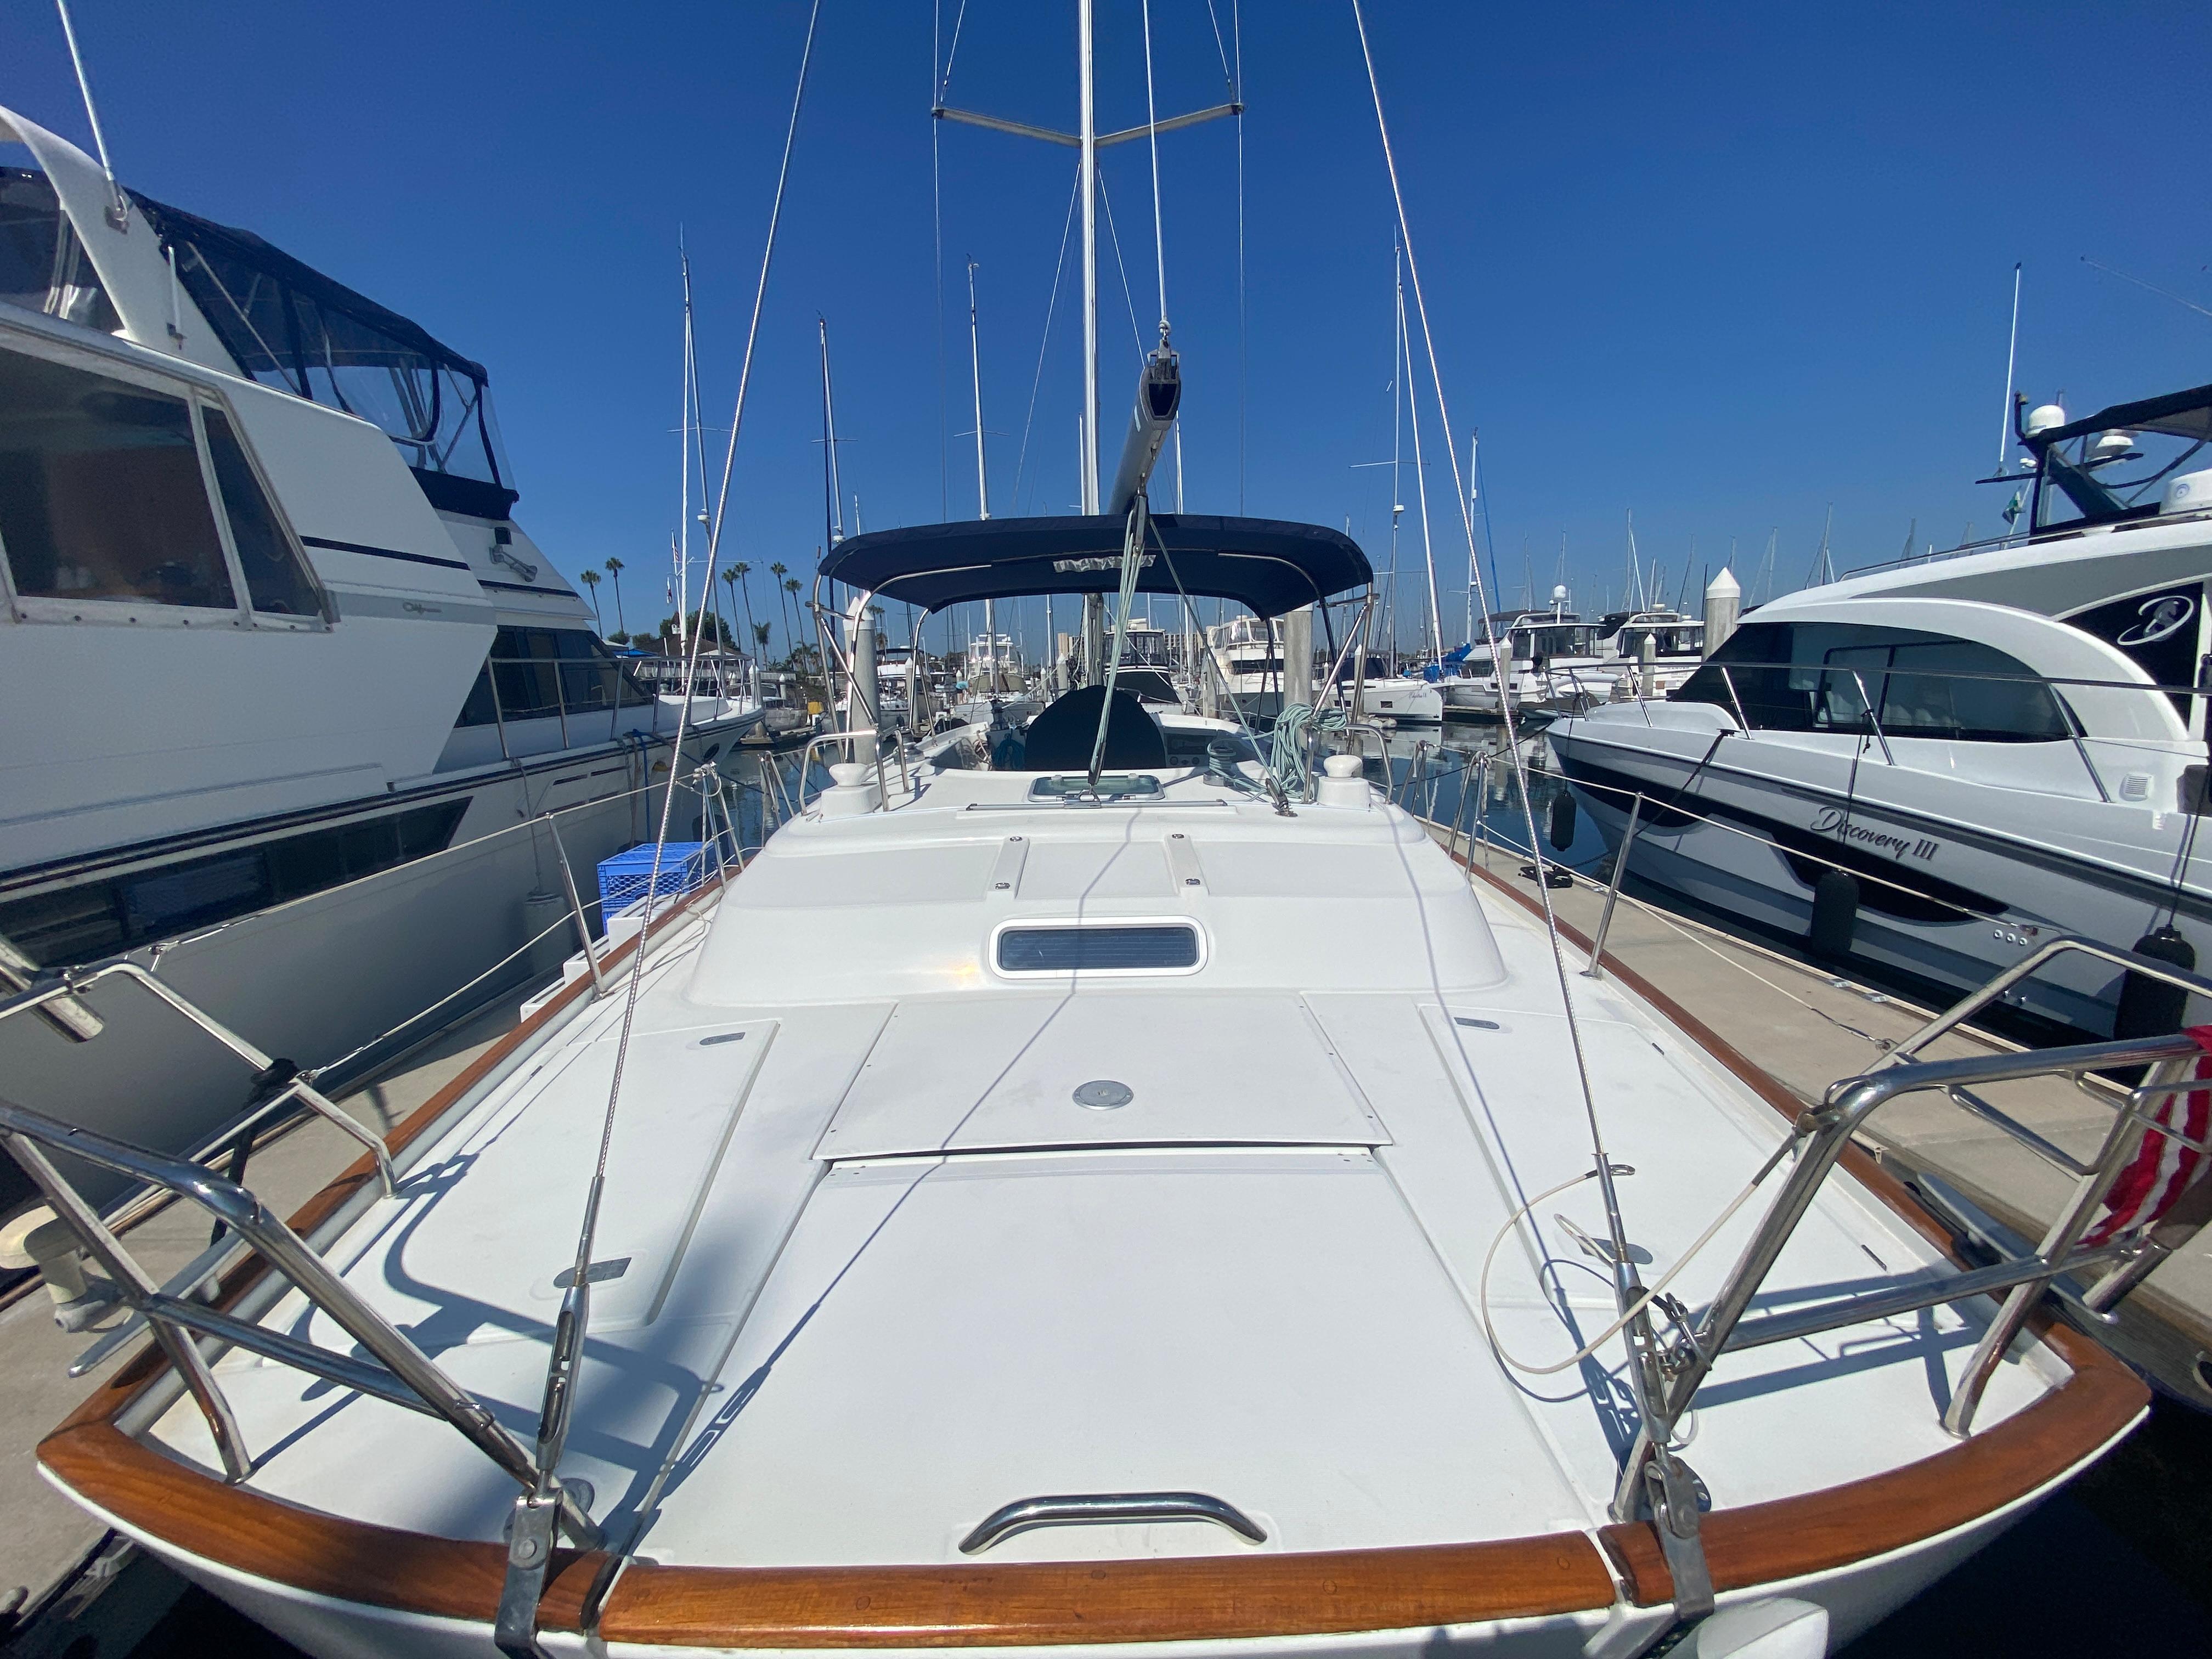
pixel 1098 1204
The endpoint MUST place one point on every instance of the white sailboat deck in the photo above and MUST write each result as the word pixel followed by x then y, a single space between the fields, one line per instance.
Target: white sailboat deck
pixel 880 1274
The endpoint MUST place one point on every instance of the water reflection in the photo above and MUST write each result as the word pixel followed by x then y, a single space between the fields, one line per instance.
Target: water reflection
pixel 1460 776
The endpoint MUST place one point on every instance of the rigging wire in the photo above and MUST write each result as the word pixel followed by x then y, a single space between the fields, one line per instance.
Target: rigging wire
pixel 1152 132
pixel 1159 239
pixel 1128 298
pixel 1604 1168
pixel 1237 97
pixel 1074 191
pixel 574 1316
pixel 938 81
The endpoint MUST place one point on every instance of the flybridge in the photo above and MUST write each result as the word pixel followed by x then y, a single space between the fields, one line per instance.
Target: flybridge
pixel 291 328
pixel 239 305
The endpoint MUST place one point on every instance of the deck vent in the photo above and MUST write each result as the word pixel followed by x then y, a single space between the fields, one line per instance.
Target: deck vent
pixel 1097 949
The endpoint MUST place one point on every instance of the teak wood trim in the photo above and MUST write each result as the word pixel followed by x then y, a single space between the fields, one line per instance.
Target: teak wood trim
pixel 1201 1598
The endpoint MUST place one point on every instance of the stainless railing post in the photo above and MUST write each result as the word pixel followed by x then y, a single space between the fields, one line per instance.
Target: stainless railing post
pixel 1729 680
pixel 498 707
pixel 576 909
pixel 561 697
pixel 2121 1141
pixel 137 1288
pixel 1482 810
pixel 1872 719
pixel 23 1133
pixel 1597 968
pixel 1459 816
pixel 2066 719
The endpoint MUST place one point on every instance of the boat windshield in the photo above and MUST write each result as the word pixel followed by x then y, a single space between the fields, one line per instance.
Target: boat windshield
pixel 43 265
pixel 1544 640
pixel 291 328
pixel 2103 478
pixel 1668 640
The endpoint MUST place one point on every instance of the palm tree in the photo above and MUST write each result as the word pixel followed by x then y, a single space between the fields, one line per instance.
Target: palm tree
pixel 614 569
pixel 735 575
pixel 778 570
pixel 791 588
pixel 591 580
pixel 761 631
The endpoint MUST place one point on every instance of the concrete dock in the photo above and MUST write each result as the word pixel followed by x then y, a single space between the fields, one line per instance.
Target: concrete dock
pixel 1808 1029
pixel 48 1536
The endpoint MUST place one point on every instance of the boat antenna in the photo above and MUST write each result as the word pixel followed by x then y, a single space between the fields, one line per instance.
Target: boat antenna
pixel 118 210
pixel 2012 353
pixel 537 1511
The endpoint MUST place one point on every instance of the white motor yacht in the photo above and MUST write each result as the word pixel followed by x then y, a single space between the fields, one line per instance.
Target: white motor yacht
pixel 286 675
pixel 1626 654
pixel 1248 659
pixel 1975 753
pixel 1407 699
pixel 1091 1206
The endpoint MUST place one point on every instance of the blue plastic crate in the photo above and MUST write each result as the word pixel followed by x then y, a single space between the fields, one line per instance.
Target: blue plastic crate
pixel 683 865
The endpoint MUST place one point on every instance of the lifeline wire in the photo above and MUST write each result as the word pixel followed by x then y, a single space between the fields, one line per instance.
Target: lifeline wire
pixel 1604 1168
pixel 569 1333
pixel 1652 1294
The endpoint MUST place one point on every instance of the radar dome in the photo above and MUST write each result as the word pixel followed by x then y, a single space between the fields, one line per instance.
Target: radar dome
pixel 2044 417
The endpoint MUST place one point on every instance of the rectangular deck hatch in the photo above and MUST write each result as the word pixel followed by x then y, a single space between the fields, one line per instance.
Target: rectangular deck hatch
pixel 1070 949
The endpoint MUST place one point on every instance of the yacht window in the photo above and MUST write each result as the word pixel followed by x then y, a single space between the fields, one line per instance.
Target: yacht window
pixel 276 576
pixel 101 495
pixel 541 671
pixel 43 265
pixel 2107 478
pixel 1821 677
pixel 96 918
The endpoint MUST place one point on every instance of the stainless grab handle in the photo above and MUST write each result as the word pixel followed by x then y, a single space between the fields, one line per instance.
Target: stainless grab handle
pixel 1099 1508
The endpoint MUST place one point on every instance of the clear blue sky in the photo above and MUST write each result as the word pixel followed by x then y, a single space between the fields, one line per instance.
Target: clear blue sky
pixel 1724 267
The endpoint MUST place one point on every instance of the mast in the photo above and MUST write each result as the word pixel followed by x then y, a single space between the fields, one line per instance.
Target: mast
pixel 1087 142
pixel 982 484
pixel 680 546
pixel 1421 495
pixel 1397 403
pixel 833 524
pixel 975 366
